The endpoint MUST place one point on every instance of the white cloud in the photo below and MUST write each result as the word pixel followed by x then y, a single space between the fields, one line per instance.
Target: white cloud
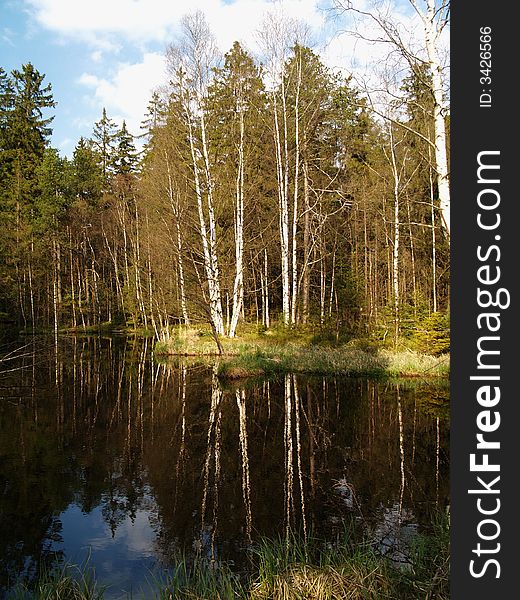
pixel 247 16
pixel 134 19
pixel 127 93
pixel 99 22
pixel 7 35
pixel 96 56
pixel 110 28
pixel 107 26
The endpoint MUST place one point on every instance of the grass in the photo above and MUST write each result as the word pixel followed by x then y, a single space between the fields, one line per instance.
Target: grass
pixel 289 351
pixel 342 361
pixel 61 582
pixel 284 569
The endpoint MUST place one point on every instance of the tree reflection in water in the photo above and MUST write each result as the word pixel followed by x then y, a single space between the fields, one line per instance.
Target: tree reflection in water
pixel 96 425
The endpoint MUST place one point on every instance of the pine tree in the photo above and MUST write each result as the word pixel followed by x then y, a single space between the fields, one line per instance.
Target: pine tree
pixel 103 139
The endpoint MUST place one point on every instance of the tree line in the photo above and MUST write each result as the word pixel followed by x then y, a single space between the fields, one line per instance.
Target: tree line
pixel 264 193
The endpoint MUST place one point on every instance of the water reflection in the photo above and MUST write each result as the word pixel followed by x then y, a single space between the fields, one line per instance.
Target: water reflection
pixel 102 448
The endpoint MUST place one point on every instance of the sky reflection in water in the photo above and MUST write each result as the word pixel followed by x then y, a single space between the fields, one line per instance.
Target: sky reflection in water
pixel 120 558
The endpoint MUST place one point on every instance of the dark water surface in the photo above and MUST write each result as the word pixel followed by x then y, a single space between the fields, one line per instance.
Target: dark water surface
pixel 106 454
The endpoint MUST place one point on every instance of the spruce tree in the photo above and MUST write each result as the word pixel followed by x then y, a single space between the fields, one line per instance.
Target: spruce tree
pixel 87 176
pixel 126 157
pixel 28 131
pixel 154 119
pixel 103 139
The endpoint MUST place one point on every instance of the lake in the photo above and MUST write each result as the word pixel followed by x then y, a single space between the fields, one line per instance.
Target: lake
pixel 108 456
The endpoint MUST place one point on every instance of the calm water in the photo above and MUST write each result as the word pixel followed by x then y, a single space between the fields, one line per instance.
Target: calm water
pixel 106 454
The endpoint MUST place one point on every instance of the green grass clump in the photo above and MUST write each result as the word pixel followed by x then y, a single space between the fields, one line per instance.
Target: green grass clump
pixel 61 582
pixel 200 580
pixel 410 363
pixel 297 569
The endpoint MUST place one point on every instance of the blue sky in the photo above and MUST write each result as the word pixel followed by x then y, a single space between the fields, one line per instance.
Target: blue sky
pixel 109 53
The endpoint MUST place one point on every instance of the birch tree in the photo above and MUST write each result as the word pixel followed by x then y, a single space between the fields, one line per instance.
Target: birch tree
pixel 434 17
pixel 277 36
pixel 190 62
pixel 235 102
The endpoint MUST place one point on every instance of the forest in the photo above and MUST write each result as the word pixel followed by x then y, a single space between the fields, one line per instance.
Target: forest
pixel 289 217
pixel 258 193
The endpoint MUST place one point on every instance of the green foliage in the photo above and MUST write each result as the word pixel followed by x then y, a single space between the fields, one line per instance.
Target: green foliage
pixel 26 173
pixel 107 233
pixel 330 337
pixel 53 198
pixel 61 582
pixel 420 330
pixel 125 156
pixel 28 130
pixel 433 333
pixel 430 557
pixel 86 178
pixel 103 140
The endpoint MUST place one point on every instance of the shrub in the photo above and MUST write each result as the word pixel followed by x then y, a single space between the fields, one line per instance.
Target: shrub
pixel 433 334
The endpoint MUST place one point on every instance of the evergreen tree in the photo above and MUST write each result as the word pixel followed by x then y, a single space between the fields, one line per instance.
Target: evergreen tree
pixel 154 118
pixel 25 131
pixel 126 157
pixel 52 200
pixel 235 105
pixel 28 130
pixel 6 106
pixel 103 139
pixel 86 176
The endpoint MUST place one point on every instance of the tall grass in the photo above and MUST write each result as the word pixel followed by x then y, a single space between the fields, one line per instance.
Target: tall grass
pixel 289 568
pixel 63 581
pixel 200 580
pixel 315 570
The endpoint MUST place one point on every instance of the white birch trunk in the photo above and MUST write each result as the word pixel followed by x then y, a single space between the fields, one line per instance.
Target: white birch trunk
pixel 283 211
pixel 204 235
pixel 395 256
pixel 295 199
pixel 180 264
pixel 432 30
pixel 266 292
pixel 238 286
pixel 215 297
